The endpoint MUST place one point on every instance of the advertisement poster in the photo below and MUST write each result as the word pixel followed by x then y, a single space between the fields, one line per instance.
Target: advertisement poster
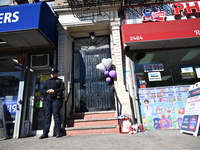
pixel 10 108
pixel 154 76
pixel 190 123
pixel 192 111
pixel 198 71
pixel 187 72
pixel 163 107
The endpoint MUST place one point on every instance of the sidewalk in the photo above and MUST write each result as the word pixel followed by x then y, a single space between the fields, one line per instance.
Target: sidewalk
pixel 148 140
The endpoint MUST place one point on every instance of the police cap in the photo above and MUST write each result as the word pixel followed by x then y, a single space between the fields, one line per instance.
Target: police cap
pixel 53 70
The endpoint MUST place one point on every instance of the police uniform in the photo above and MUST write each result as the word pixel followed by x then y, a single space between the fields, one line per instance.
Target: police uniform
pixel 52 104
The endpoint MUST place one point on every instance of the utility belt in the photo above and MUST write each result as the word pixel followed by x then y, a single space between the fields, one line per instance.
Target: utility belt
pixel 54 95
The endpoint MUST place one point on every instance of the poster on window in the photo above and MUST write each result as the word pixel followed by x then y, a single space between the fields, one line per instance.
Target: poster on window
pixel 154 76
pixel 153 67
pixel 197 69
pixel 187 72
pixel 191 120
pixel 163 107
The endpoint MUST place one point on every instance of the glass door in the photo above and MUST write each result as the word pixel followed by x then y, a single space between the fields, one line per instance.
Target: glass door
pixel 34 118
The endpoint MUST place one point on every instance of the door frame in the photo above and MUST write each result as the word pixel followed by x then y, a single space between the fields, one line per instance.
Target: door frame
pixel 26 125
pixel 35 132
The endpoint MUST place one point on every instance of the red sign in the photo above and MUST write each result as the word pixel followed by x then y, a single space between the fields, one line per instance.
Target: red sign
pixel 150 15
pixel 187 8
pixel 187 28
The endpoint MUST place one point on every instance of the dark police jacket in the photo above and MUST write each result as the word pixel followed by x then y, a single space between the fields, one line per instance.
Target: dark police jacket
pixel 57 85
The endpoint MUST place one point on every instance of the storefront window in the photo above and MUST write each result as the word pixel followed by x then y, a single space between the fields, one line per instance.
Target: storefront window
pixel 163 79
pixel 11 73
pixel 167 67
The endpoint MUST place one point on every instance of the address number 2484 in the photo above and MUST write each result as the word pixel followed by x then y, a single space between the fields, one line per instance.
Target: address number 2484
pixel 136 38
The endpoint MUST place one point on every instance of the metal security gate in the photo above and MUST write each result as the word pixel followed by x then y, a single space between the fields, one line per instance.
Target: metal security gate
pixel 91 91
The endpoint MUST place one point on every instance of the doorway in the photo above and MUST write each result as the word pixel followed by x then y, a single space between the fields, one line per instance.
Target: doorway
pixel 34 113
pixel 91 91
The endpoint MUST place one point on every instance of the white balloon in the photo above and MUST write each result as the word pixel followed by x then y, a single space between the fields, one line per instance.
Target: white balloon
pixel 100 67
pixel 107 62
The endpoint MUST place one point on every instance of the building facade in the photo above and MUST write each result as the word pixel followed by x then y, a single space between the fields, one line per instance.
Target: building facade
pixel 154 48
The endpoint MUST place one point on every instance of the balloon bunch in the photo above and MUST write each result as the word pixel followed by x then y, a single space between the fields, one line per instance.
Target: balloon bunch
pixel 106 67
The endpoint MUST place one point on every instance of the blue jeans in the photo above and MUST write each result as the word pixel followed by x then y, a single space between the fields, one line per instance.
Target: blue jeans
pixel 52 107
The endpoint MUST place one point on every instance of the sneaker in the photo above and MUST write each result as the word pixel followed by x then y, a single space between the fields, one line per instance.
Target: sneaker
pixel 43 136
pixel 58 135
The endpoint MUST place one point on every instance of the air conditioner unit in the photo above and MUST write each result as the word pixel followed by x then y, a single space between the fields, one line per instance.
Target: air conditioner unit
pixel 39 61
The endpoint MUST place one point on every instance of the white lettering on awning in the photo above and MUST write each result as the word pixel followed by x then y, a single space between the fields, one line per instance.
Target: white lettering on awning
pixel 9 17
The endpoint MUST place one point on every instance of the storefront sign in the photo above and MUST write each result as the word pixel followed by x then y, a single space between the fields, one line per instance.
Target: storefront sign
pixel 29 17
pixel 9 17
pixel 14 18
pixel 154 76
pixel 192 8
pixel 197 32
pixel 158 35
pixel 191 117
pixel 150 15
pixel 162 12
pixel 153 67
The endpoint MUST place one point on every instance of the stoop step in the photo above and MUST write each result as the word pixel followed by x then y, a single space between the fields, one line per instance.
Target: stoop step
pixel 92 123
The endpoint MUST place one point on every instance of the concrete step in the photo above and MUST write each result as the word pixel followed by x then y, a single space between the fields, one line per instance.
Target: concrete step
pixel 105 129
pixel 99 122
pixel 92 122
pixel 92 115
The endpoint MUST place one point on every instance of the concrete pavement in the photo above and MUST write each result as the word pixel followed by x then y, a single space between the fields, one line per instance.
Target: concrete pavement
pixel 148 140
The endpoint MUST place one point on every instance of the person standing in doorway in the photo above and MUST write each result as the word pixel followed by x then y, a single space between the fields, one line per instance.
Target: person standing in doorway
pixel 53 92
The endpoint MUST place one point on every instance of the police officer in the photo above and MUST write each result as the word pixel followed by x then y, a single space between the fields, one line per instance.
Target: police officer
pixel 52 90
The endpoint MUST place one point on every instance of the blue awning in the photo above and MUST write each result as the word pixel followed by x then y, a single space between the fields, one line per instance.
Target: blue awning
pixel 28 25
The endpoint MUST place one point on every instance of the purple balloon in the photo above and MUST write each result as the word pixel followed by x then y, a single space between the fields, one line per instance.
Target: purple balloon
pixel 108 79
pixel 112 73
pixel 106 72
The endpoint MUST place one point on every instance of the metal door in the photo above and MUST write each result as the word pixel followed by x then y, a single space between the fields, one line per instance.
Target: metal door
pixel 91 91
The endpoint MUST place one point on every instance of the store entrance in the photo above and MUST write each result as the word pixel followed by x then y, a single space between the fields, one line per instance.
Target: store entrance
pixel 35 111
pixel 11 92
